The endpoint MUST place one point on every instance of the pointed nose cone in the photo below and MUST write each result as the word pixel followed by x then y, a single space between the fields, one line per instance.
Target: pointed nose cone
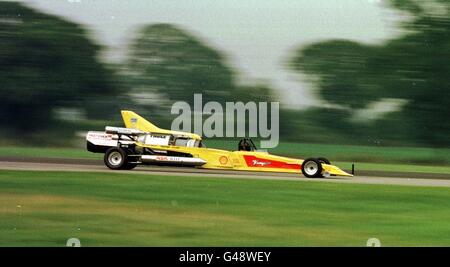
pixel 333 170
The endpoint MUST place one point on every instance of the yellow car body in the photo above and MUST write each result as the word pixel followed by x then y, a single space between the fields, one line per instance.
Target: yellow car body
pixel 210 158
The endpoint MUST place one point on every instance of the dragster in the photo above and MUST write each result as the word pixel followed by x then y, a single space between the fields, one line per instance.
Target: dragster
pixel 142 142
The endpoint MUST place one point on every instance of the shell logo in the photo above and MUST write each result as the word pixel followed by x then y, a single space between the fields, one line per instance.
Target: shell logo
pixel 223 160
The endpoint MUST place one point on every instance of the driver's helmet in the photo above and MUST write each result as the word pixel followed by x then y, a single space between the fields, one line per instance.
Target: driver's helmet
pixel 244 145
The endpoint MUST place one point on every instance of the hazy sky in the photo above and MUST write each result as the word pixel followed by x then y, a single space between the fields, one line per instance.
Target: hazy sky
pixel 258 36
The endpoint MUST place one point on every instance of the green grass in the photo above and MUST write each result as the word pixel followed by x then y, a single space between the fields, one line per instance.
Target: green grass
pixel 396 167
pixel 112 209
pixel 48 152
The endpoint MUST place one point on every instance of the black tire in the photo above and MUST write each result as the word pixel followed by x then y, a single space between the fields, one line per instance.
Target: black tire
pixel 115 158
pixel 129 166
pixel 324 161
pixel 312 168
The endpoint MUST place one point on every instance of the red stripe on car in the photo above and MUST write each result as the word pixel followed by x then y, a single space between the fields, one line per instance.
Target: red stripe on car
pixel 253 161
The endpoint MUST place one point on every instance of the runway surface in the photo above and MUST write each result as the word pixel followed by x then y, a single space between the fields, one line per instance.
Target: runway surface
pixel 95 166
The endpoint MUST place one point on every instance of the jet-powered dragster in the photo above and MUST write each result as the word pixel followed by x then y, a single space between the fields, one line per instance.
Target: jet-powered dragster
pixel 141 142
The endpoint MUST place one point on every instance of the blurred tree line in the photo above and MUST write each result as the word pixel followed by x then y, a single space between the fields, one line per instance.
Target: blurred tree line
pixel 48 64
pixel 167 64
pixel 413 67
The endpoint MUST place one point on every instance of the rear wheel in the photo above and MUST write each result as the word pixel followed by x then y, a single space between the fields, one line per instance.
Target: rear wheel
pixel 115 158
pixel 312 168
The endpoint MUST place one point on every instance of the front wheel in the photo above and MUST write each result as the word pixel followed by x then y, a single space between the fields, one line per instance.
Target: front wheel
pixel 312 168
pixel 324 161
pixel 115 158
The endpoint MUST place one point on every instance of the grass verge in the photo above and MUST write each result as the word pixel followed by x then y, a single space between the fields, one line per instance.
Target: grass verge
pixel 113 209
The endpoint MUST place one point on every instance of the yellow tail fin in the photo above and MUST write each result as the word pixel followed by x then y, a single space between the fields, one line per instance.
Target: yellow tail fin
pixel 134 121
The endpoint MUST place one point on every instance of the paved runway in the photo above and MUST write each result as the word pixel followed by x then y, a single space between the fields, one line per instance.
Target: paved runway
pixel 78 166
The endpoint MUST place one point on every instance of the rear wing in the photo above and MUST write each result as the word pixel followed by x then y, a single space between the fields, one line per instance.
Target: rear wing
pixel 134 121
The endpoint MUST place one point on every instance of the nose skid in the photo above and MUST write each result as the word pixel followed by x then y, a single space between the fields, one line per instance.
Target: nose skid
pixel 333 170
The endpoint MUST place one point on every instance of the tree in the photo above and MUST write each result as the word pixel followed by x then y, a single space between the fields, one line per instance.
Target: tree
pixel 413 67
pixel 167 60
pixel 45 62
pixel 167 64
pixel 341 71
